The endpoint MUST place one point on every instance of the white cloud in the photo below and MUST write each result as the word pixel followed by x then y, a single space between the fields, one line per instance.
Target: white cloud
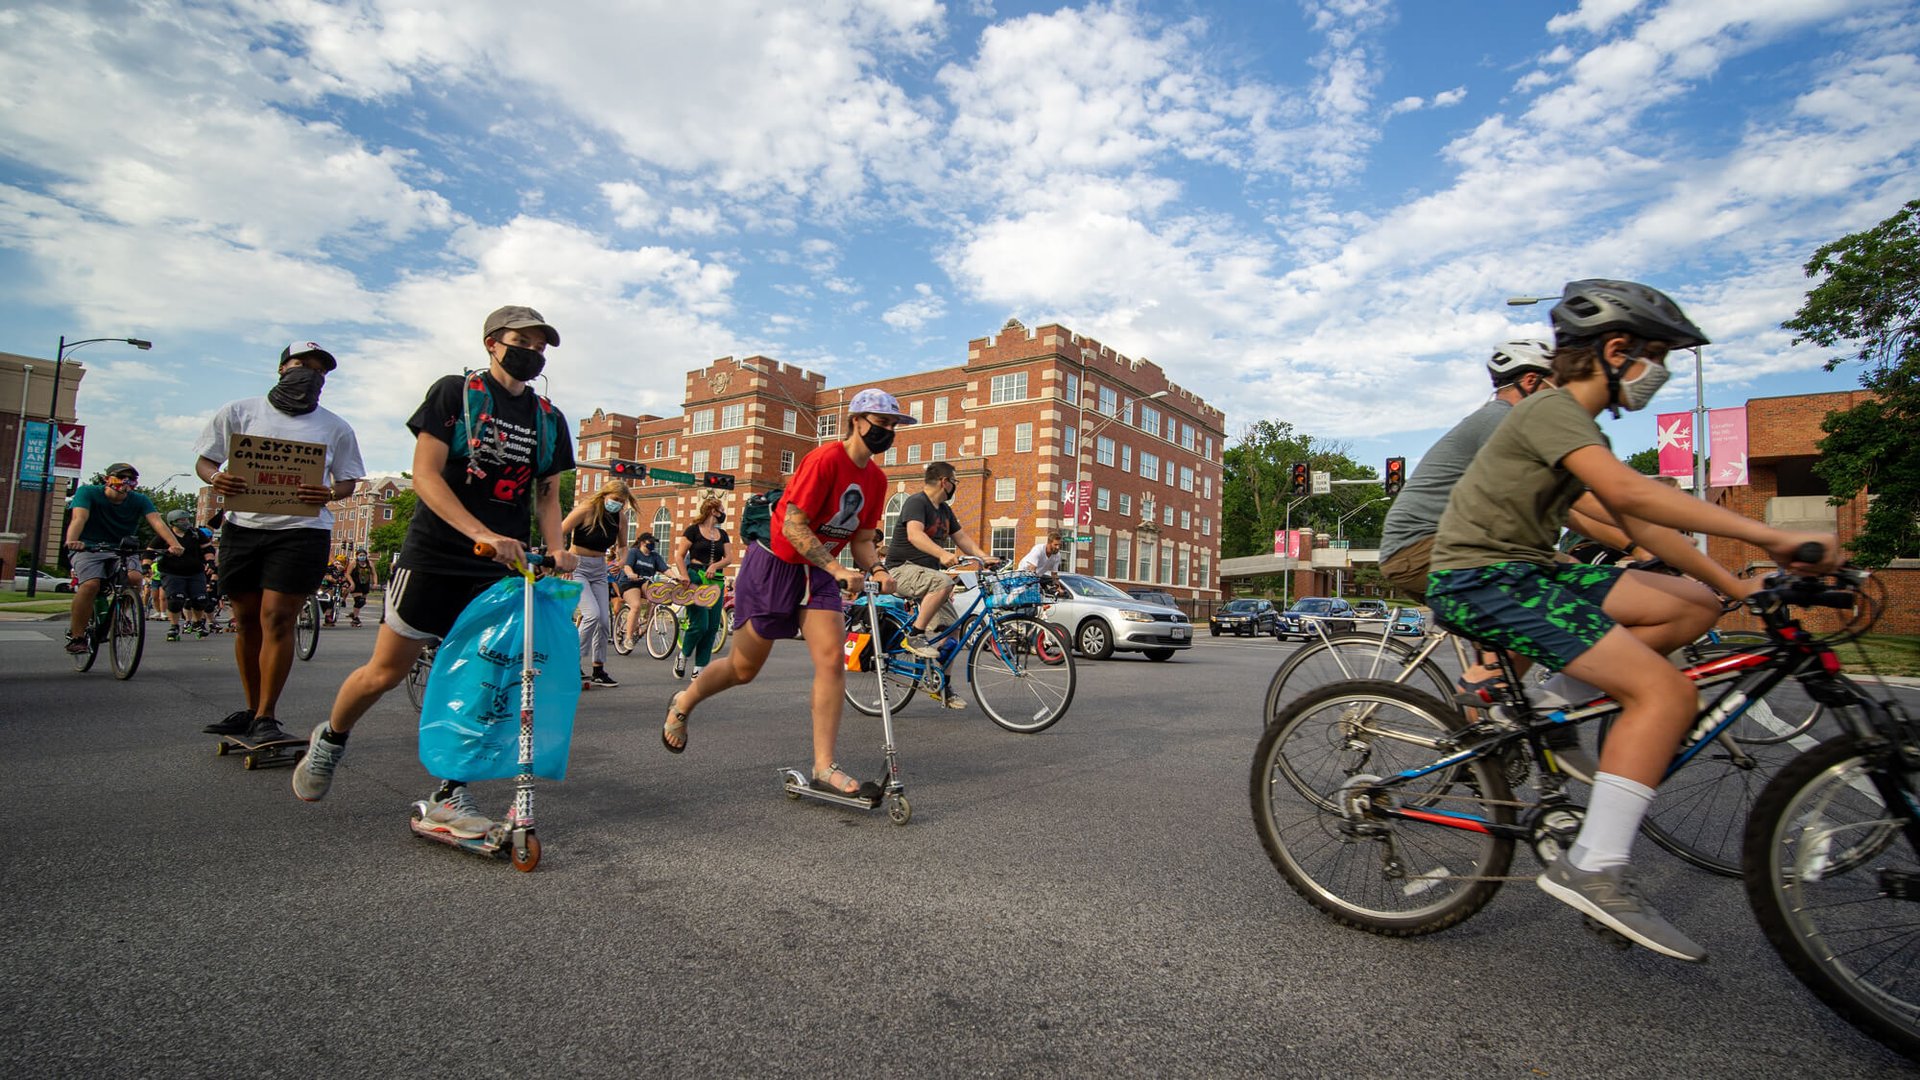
pixel 1592 16
pixel 916 313
pixel 632 206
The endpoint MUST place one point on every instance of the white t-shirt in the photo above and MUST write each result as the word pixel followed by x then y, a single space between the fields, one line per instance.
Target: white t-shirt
pixel 1038 560
pixel 254 416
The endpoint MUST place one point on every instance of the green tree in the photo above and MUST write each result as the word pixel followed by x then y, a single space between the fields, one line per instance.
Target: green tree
pixel 384 540
pixel 1645 461
pixel 1255 495
pixel 1868 302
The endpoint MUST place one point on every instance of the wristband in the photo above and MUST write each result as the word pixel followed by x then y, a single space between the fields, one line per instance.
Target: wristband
pixel 877 568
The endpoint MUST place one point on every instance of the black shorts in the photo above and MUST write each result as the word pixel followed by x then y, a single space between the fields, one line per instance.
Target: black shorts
pixel 423 606
pixel 284 560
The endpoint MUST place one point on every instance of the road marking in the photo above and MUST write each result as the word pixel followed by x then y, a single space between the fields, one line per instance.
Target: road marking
pixel 22 635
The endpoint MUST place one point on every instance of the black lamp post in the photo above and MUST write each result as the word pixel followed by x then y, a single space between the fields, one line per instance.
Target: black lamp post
pixel 53 438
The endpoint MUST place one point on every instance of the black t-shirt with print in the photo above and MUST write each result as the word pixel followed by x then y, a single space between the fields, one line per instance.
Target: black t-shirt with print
pixel 503 499
pixel 939 522
pixel 702 550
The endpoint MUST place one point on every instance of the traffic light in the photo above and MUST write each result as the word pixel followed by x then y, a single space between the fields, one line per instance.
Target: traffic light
pixel 720 480
pixel 1396 476
pixel 627 470
pixel 1302 479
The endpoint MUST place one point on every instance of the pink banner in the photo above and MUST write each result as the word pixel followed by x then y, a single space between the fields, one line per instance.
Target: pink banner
pixel 1728 430
pixel 1673 437
pixel 1085 520
pixel 1294 544
pixel 1076 504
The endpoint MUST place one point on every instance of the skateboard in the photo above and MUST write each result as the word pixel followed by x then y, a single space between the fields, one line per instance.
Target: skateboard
pixel 261 755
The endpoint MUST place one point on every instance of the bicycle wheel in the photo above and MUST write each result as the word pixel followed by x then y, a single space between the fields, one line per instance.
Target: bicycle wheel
pixel 1383 875
pixel 723 631
pixel 1022 673
pixel 417 677
pixel 1777 718
pixel 1353 656
pixel 1822 849
pixel 622 640
pixel 83 661
pixel 306 629
pixel 903 673
pixel 663 632
pixel 127 625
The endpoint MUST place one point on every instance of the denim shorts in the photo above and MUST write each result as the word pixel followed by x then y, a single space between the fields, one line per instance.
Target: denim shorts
pixel 1551 614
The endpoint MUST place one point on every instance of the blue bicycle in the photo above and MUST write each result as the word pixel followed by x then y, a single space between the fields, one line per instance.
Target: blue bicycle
pixel 1019 668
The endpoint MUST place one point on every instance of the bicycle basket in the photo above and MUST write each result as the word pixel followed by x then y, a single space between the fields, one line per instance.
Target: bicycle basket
pixel 1016 591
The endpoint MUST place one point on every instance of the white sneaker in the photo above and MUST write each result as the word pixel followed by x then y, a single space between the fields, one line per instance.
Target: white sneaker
pixel 456 814
pixel 694 673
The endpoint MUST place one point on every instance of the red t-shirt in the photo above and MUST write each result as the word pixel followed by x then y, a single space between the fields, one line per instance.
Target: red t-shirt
pixel 838 497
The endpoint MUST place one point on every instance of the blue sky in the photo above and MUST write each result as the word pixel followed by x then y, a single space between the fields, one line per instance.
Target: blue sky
pixel 1309 212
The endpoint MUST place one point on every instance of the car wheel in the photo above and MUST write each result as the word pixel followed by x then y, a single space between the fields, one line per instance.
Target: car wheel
pixel 1094 640
pixel 1159 654
pixel 1213 631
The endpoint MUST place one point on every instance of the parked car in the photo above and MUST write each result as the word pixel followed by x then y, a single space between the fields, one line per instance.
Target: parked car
pixel 1311 615
pixel 1408 621
pixel 1101 620
pixel 1370 609
pixel 1243 618
pixel 1154 596
pixel 47 582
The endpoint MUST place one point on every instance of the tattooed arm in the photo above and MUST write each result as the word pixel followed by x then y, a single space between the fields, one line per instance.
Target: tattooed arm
pixel 799 532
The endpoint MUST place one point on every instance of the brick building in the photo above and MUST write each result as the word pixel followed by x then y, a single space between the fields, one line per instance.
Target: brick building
pixel 1013 419
pixel 1783 491
pixel 26 382
pixel 356 516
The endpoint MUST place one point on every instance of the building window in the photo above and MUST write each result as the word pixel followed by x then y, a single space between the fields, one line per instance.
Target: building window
pixel 729 457
pixel 939 410
pixel 1109 401
pixel 1149 419
pixel 702 421
pixel 1186 519
pixel 699 461
pixel 1166 516
pixel 1023 438
pixel 1073 390
pixel 913 409
pixel 386 513
pixel 1166 564
pixel 786 463
pixel 1070 441
pixel 1146 561
pixel 1126 505
pixel 1103 450
pixel 733 416
pixel 1169 473
pixel 1009 388
pixel 828 427
pixel 789 421
pixel 1207 485
pixel 893 456
pixel 1126 459
pixel 1183 568
pixel 673 446
pixel 892 518
pixel 939 451
pixel 1003 489
pixel 1122 548
pixel 989 441
pixel 1149 465
pixel 913 454
pixel 1101 498
pixel 1099 556
pixel 1186 437
pixel 1209 448
pixel 1206 526
pixel 1186 478
pixel 663 527
pixel 1002 548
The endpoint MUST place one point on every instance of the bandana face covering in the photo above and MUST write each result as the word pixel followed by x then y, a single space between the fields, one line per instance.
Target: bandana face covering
pixel 298 391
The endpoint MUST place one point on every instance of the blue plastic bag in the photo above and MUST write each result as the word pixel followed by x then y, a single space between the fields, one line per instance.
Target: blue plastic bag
pixel 470 715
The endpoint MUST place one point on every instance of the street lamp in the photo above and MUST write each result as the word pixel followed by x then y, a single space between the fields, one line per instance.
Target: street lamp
pixel 1085 438
pixel 1699 413
pixel 53 431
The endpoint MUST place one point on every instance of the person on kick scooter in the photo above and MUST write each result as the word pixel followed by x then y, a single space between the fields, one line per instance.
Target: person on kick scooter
pixel 918 553
pixel 487 455
pixel 792 585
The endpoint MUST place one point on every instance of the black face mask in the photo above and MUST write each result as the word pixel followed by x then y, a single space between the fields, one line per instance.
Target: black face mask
pixel 877 438
pixel 298 391
pixel 522 364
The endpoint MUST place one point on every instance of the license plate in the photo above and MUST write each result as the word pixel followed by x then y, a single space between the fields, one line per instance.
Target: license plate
pixel 1180 633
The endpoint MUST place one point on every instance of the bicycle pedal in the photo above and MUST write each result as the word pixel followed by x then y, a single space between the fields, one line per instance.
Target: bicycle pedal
pixel 1606 933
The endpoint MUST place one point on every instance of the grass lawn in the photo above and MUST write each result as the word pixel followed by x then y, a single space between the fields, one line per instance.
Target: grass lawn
pixel 1890 654
pixel 46 603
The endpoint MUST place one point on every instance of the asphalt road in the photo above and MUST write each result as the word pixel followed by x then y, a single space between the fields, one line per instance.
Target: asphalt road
pixel 1090 900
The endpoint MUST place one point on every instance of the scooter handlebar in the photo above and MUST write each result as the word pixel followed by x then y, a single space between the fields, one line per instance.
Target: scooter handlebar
pixel 485 551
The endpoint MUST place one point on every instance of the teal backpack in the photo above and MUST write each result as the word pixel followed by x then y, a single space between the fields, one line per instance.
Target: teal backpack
pixel 476 425
pixel 756 519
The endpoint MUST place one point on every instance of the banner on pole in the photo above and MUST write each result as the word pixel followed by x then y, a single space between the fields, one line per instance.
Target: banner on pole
pixel 1673 437
pixel 1076 505
pixel 1727 428
pixel 68 443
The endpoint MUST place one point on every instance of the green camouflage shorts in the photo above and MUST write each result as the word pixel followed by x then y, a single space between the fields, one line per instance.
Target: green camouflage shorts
pixel 1551 614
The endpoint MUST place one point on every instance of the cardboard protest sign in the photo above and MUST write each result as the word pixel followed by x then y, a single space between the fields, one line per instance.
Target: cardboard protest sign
pixel 274 470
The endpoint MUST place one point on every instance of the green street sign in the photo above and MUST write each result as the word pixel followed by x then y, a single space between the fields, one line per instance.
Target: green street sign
pixel 1083 539
pixel 671 477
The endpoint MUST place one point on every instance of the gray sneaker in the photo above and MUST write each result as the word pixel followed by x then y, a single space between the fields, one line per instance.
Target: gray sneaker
pixel 456 814
pixel 918 644
pixel 313 773
pixel 1612 897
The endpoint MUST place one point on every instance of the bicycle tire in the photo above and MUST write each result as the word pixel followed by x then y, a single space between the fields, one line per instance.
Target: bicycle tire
pixel 904 669
pixel 663 632
pixel 1021 672
pixel 127 627
pixel 622 640
pixel 306 628
pixel 1353 656
pixel 83 661
pixel 1771 720
pixel 1350 864
pixel 1817 911
pixel 417 678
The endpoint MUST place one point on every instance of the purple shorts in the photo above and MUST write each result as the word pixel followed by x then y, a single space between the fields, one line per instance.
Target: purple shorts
pixel 771 593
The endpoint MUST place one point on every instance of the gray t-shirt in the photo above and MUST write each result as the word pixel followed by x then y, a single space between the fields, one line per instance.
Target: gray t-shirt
pixel 1511 503
pixel 1416 511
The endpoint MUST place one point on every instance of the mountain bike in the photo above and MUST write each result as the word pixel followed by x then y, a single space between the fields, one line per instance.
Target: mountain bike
pixel 1019 668
pixel 119 618
pixel 1386 810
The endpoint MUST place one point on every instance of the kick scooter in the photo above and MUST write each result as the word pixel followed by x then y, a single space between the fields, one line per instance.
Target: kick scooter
pixel 891 791
pixel 513 838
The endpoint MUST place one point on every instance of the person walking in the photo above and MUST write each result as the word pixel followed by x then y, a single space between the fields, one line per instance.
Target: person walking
pixel 271 563
pixel 594 529
pixel 701 555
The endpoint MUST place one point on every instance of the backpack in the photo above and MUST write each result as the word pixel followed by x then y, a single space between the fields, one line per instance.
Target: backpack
pixel 756 519
pixel 476 417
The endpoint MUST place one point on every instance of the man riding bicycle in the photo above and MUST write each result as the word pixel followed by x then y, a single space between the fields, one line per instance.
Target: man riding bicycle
pixel 105 515
pixel 916 557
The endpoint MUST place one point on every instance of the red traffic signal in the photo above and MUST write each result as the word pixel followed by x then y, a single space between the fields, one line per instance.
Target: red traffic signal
pixel 627 470
pixel 1396 477
pixel 1302 479
pixel 720 480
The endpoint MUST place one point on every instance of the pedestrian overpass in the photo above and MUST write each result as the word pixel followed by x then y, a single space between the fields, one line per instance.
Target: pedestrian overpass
pixel 1334 557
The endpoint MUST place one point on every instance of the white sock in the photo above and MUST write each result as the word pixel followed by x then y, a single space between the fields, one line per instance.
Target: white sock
pixel 1606 838
pixel 1570 689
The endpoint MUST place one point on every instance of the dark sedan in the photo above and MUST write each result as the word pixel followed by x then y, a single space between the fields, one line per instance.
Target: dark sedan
pixel 1311 616
pixel 1243 618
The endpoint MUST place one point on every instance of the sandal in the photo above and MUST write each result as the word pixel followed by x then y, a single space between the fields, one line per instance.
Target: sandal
pixel 862 789
pixel 675 720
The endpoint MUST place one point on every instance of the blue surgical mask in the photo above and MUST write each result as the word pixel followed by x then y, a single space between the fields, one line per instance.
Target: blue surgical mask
pixel 612 505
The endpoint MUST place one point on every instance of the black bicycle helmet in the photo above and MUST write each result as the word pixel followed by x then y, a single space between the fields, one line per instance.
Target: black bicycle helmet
pixel 1517 358
pixel 1595 306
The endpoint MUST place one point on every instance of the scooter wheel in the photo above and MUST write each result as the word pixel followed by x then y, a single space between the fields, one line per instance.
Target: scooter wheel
pixel 899 810
pixel 526 858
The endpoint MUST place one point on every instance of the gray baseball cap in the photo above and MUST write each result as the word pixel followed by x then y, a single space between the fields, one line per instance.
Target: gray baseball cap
pixel 516 317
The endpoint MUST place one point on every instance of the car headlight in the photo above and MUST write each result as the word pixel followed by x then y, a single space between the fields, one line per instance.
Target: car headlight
pixel 1136 616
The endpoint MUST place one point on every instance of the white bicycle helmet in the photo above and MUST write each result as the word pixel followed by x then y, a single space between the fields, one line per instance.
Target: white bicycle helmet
pixel 1517 358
